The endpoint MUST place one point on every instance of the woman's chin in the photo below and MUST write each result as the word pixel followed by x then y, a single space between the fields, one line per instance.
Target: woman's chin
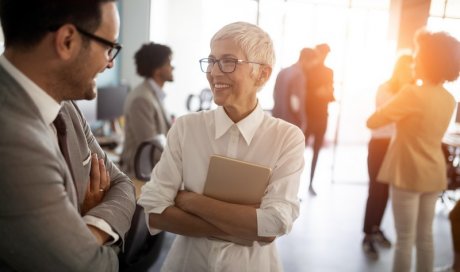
pixel 219 101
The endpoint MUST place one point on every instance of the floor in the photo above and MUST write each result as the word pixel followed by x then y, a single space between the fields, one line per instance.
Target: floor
pixel 327 235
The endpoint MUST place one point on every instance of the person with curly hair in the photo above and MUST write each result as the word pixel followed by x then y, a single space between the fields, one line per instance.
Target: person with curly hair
pixel 414 165
pixel 377 148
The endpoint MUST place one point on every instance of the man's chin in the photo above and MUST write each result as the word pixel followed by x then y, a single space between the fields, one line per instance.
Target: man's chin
pixel 90 94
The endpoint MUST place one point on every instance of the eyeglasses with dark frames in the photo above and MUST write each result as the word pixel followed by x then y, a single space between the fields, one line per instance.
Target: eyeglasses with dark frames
pixel 226 65
pixel 114 47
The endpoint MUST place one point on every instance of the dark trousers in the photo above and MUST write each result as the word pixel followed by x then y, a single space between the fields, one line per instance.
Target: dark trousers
pixel 316 128
pixel 378 192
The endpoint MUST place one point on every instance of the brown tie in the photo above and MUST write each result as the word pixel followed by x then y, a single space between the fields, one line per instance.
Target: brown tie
pixel 61 129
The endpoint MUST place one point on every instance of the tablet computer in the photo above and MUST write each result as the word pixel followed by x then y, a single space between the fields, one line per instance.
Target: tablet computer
pixel 235 181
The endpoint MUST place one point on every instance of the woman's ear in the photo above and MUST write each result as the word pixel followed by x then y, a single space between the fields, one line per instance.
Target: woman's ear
pixel 67 41
pixel 264 74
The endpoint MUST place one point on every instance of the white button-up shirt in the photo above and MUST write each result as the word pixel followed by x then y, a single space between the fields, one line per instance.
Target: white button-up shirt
pixel 260 139
pixel 384 94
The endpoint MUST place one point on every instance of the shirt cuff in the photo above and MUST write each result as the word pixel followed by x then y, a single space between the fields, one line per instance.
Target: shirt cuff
pixel 152 231
pixel 272 223
pixel 102 225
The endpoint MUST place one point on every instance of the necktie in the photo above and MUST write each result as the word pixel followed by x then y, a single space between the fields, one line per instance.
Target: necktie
pixel 61 130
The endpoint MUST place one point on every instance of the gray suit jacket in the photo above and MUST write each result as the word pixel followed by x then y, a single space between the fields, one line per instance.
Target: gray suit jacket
pixel 145 118
pixel 40 223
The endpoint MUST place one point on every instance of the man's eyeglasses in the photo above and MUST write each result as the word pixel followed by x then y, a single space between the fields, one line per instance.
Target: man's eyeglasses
pixel 226 65
pixel 114 47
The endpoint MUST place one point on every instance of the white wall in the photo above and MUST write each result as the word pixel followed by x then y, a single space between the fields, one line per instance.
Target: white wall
pixel 134 31
pixel 178 24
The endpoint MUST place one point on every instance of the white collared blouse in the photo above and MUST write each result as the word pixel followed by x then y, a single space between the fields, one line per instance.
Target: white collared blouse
pixel 258 138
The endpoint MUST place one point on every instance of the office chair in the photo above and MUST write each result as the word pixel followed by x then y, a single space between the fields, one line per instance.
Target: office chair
pixel 142 249
pixel 147 155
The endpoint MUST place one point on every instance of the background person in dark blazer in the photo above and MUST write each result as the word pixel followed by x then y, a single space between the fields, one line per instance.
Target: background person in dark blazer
pixel 319 93
pixel 289 92
pixel 144 112
pixel 60 206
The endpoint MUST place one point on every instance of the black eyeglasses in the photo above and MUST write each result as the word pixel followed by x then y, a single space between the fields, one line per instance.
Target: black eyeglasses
pixel 114 47
pixel 226 65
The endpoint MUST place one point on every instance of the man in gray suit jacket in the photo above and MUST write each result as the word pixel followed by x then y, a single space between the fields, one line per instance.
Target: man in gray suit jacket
pixel 63 205
pixel 144 111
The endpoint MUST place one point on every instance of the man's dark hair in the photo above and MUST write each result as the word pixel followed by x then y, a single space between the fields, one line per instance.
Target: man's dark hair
pixel 26 22
pixel 150 57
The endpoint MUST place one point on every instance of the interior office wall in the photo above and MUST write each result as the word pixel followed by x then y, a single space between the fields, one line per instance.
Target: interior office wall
pixel 178 24
pixel 135 27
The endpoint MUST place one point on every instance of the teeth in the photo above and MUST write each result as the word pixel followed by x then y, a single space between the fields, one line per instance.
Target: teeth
pixel 221 85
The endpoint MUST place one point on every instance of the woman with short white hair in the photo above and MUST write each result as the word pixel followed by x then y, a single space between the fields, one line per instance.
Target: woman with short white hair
pixel 215 235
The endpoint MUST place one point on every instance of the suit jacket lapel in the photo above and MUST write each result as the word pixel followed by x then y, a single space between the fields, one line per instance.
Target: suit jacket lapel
pixel 75 160
pixel 79 151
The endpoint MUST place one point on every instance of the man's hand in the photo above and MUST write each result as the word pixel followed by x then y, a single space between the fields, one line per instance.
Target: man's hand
pixel 98 184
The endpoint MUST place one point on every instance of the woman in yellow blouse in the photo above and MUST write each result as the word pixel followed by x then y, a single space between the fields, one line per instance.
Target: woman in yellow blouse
pixel 414 165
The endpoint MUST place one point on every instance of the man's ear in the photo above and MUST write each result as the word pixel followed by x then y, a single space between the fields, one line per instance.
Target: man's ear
pixel 67 41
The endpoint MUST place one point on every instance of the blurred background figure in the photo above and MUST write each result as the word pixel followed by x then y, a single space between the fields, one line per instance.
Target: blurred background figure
pixel 319 93
pixel 145 114
pixel 289 91
pixel 415 166
pixel 377 148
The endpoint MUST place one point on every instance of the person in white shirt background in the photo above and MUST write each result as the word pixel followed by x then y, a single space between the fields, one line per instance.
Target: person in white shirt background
pixel 378 145
pixel 240 63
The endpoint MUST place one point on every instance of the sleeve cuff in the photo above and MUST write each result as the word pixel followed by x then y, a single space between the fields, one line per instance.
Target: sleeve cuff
pixel 102 225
